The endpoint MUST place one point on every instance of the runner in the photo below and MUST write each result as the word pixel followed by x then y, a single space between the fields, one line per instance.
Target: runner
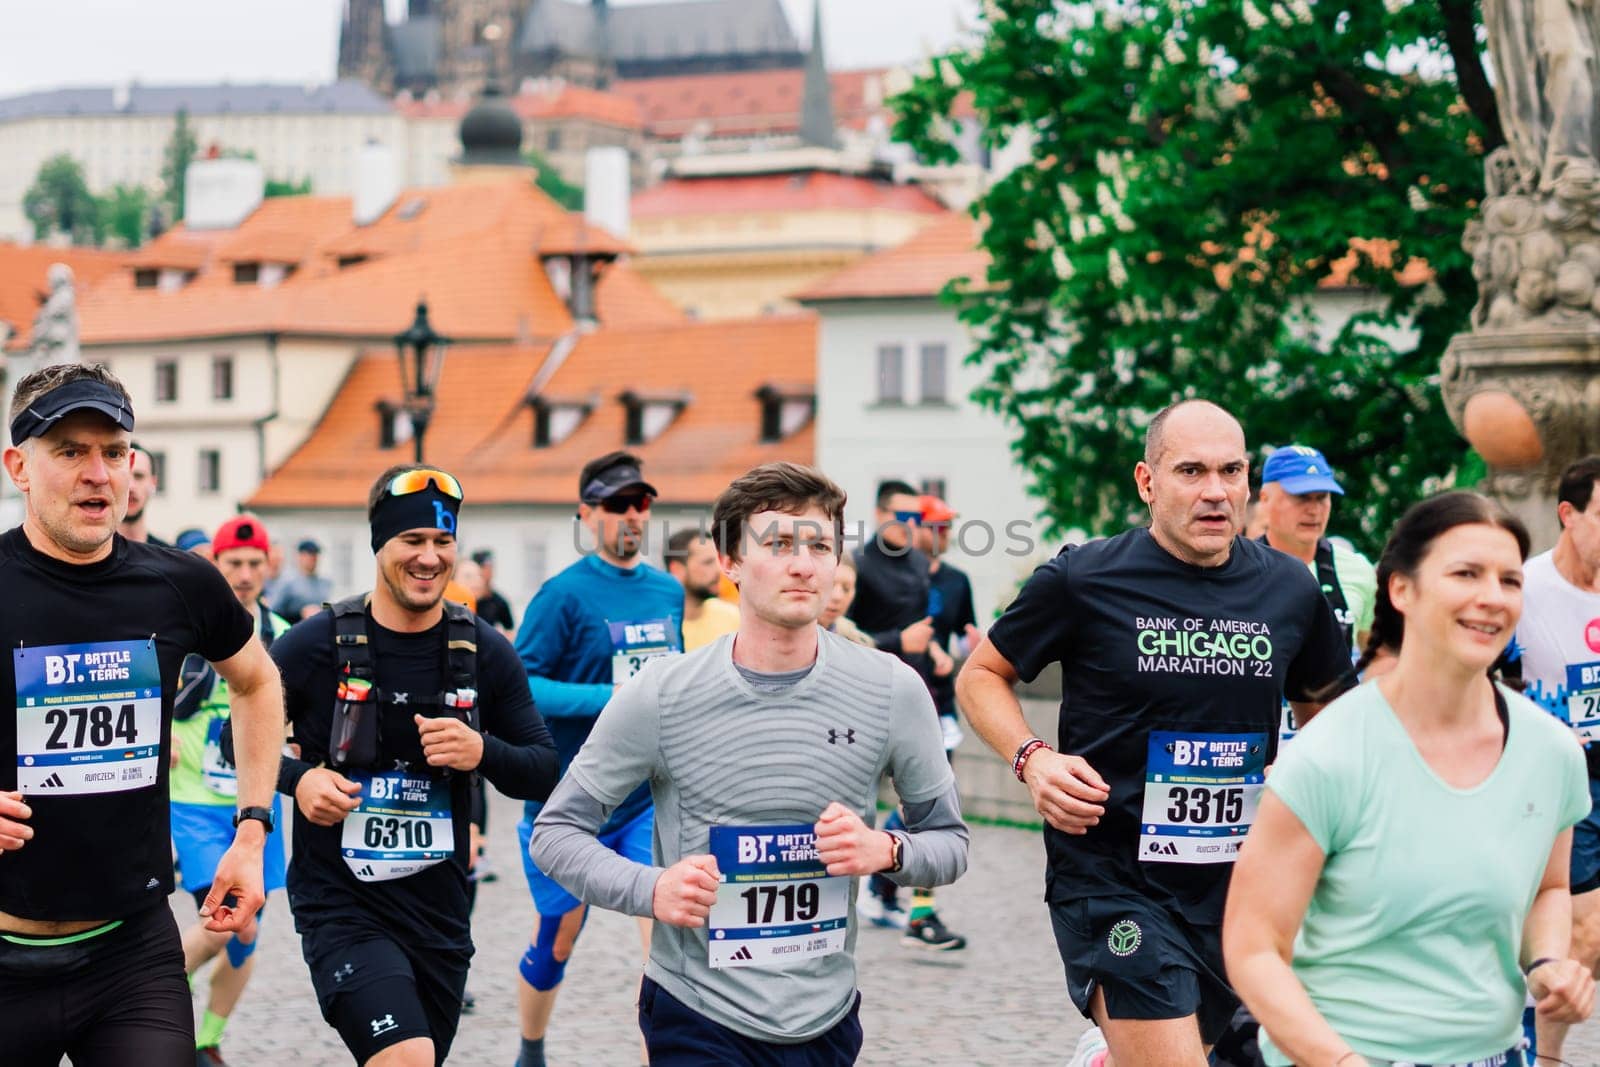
pixel 142 485
pixel 397 701
pixel 1557 652
pixel 763 752
pixel 1177 643
pixel 96 628
pixel 205 784
pixel 1405 883
pixel 590 629
pixel 692 560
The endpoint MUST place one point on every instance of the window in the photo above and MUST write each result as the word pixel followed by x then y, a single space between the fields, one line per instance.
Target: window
pixel 649 416
pixel 158 471
pixel 555 421
pixel 891 374
pixel 146 278
pixel 210 472
pixel 933 374
pixel 552 141
pixel 785 412
pixel 166 381
pixel 222 377
pixel 934 487
pixel 394 424
pixel 246 273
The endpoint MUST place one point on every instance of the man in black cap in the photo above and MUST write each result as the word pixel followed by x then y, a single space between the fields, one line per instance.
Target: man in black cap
pixel 590 629
pixel 302 595
pixel 96 628
pixel 492 607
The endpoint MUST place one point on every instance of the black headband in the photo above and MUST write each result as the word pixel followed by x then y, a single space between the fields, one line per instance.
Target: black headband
pixel 427 510
pixel 80 394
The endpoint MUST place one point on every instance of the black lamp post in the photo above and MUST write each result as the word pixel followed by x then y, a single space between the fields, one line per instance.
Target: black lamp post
pixel 421 353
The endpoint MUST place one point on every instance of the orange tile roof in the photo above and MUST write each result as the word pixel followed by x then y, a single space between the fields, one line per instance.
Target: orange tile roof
pixel 747 103
pixel 624 298
pixel 556 101
pixel 482 429
pixel 804 191
pixel 24 280
pixel 921 266
pixel 473 251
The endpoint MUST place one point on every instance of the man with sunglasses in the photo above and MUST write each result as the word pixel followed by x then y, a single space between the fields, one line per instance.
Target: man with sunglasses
pixel 893 604
pixel 590 629
pixel 397 701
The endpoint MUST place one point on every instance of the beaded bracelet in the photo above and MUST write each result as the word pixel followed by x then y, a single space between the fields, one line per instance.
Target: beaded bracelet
pixel 1028 748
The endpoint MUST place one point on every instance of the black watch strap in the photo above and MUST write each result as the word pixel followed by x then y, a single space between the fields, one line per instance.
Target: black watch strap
pixel 261 815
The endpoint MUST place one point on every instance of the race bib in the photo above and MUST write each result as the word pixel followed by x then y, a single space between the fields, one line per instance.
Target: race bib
pixel 402 825
pixel 1286 726
pixel 1201 792
pixel 88 717
pixel 216 773
pixel 777 901
pixel 636 643
pixel 1583 699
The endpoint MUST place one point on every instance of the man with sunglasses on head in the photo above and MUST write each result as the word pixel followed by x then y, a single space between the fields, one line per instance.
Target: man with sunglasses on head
pixel 587 631
pixel 95 629
pixel 398 700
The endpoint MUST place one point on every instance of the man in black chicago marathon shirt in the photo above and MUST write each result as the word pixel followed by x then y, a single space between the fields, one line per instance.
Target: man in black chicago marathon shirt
pixel 397 700
pixel 95 629
pixel 1176 643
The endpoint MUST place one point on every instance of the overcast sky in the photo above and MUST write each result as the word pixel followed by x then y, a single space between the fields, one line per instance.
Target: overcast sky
pixel 54 43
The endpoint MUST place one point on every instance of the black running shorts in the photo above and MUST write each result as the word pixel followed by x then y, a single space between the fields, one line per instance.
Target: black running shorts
pixel 117 998
pixel 1149 962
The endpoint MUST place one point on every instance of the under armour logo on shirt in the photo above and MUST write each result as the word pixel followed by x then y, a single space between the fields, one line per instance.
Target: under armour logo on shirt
pixel 383 1025
pixel 834 736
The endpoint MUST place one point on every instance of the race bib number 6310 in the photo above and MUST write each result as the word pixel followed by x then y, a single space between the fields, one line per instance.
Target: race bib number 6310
pixel 88 717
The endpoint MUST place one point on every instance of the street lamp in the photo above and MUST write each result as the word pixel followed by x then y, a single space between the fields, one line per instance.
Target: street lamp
pixel 421 352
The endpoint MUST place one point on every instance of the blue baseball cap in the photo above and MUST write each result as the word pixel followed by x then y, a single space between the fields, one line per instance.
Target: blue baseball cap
pixel 1300 470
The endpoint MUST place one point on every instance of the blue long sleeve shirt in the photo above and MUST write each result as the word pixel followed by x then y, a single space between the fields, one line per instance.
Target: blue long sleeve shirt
pixel 587 630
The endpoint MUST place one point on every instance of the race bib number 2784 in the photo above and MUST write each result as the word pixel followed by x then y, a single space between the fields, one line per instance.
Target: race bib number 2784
pixel 88 717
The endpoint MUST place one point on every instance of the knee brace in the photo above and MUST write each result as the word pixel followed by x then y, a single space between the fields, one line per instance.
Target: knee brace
pixel 539 965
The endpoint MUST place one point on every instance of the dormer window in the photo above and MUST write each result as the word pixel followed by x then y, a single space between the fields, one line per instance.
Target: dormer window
pixel 785 410
pixel 246 273
pixel 146 278
pixel 556 420
pixel 394 424
pixel 650 415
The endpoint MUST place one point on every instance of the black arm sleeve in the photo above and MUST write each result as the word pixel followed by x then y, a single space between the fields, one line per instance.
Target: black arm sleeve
pixel 304 655
pixel 519 756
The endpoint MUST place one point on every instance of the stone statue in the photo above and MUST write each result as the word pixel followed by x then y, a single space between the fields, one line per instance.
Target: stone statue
pixel 55 328
pixel 1523 385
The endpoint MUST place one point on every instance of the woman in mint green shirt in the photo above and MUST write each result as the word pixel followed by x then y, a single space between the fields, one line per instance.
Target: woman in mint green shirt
pixel 1409 860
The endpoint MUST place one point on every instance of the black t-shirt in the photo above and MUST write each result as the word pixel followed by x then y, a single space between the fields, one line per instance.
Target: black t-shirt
pixel 950 604
pixel 1149 643
pixel 493 609
pixel 891 594
pixel 92 658
pixel 428 908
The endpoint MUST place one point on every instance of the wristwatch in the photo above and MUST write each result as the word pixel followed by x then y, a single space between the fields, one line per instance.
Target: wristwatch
pixel 261 815
pixel 897 853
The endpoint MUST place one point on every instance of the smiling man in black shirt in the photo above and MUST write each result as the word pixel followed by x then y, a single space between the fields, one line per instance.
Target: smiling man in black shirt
pixel 396 700
pixel 1177 643
pixel 95 629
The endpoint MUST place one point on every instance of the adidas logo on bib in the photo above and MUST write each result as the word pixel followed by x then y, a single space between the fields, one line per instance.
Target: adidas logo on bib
pixel 742 954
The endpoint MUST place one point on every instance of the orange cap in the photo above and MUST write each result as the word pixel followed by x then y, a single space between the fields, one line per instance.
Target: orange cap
pixel 935 510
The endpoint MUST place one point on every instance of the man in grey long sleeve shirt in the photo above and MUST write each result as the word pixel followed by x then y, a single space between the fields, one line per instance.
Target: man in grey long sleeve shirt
pixel 763 752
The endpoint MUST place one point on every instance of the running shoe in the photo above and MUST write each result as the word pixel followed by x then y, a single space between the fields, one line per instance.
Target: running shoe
pixel 928 932
pixel 880 912
pixel 469 1003
pixel 1090 1050
pixel 209 1056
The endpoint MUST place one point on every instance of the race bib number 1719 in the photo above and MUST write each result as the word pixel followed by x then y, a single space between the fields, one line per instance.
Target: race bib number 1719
pixel 88 717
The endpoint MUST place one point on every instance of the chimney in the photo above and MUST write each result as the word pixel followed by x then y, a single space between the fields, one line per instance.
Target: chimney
pixel 219 194
pixel 605 188
pixel 377 182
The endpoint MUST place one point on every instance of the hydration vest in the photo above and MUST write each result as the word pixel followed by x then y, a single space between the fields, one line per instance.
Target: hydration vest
pixel 356 740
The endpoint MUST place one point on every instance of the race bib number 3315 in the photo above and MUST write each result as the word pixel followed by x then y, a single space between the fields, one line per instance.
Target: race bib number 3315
pixel 1201 792
pixel 88 717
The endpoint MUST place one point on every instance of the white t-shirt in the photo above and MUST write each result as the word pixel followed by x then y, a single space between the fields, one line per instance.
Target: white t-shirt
pixel 1559 643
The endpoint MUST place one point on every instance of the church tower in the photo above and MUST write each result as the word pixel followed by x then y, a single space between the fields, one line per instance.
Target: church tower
pixel 363 56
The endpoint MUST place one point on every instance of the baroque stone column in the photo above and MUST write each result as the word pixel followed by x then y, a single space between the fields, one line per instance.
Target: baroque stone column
pixel 1523 385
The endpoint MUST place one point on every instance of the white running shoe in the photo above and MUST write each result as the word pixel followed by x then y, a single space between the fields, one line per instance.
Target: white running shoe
pixel 1089 1046
pixel 873 909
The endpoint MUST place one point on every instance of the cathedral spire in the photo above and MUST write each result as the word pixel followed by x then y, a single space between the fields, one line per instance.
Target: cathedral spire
pixel 816 113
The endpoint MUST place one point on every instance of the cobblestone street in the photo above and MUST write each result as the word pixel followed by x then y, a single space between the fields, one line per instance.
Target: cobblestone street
pixel 1001 1002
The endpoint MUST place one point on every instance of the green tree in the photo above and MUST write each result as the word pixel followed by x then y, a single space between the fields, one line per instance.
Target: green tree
pixel 59 201
pixel 124 214
pixel 1196 169
pixel 550 181
pixel 278 188
pixel 179 153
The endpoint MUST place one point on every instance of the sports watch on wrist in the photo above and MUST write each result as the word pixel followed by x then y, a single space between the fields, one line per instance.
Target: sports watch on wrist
pixel 261 815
